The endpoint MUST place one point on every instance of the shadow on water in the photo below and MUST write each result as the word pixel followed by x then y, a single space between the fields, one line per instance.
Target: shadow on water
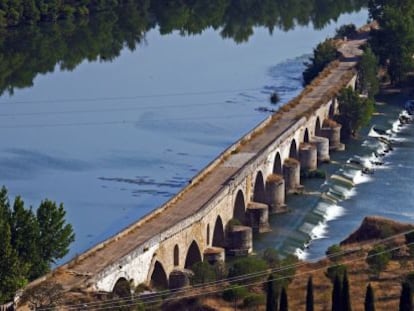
pixel 28 51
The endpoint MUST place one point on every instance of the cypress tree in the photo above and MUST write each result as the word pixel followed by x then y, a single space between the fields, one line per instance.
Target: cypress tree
pixel 283 300
pixel 369 299
pixel 309 295
pixel 337 295
pixel 270 294
pixel 346 300
pixel 406 301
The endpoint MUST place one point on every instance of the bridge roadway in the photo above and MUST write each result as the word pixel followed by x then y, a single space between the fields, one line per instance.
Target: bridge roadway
pixel 77 273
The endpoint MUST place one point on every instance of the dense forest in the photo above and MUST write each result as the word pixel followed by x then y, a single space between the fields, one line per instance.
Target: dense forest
pixel 35 49
pixel 188 12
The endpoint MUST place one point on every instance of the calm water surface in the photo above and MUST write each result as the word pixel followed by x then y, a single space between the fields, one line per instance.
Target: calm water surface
pixel 114 140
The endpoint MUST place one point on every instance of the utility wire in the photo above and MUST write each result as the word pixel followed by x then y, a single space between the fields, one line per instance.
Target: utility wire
pixel 98 99
pixel 239 278
pixel 138 300
pixel 120 122
pixel 101 110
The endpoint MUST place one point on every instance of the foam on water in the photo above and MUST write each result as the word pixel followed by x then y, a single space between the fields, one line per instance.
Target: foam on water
pixel 319 231
pixel 301 254
pixel 333 212
pixel 361 178
pixel 342 184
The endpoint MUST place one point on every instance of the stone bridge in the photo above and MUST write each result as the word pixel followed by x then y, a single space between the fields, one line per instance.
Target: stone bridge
pixel 228 202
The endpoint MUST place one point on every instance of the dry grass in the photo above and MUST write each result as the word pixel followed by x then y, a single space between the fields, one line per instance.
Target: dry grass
pixel 386 288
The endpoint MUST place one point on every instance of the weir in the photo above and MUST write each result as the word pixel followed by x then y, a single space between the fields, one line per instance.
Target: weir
pixel 217 214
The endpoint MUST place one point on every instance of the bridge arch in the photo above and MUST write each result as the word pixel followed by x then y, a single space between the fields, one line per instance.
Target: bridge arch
pixel 306 136
pixel 293 151
pixel 208 235
pixel 277 164
pixel 332 109
pixel 259 189
pixel 239 209
pixel 193 255
pixel 176 255
pixel 219 238
pixel 158 278
pixel 122 288
pixel 317 126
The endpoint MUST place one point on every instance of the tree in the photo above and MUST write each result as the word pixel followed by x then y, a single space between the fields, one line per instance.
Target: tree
pixel 29 243
pixel 271 256
pixel 368 82
pixel 271 299
pixel 394 41
pixel 324 53
pixel 336 270
pixel 346 300
pixel 55 234
pixel 247 265
pixel 354 111
pixel 409 240
pixel 286 274
pixel 203 272
pixel 378 259
pixel 235 293
pixel 11 274
pixel 309 295
pixel 334 252
pixel 283 301
pixel 25 237
pixel 348 31
pixel 369 303
pixel 253 301
pixel 5 211
pixel 337 295
pixel 406 301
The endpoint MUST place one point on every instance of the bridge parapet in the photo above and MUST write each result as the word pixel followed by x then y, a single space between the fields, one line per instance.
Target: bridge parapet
pixel 178 233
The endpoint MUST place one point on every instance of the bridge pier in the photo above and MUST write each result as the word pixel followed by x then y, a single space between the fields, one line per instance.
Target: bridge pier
pixel 332 131
pixel 240 241
pixel 180 278
pixel 275 192
pixel 257 215
pixel 308 157
pixel 214 254
pixel 291 174
pixel 322 147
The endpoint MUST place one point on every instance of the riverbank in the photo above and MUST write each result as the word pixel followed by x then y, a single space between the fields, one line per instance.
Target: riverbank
pixel 329 209
pixel 386 285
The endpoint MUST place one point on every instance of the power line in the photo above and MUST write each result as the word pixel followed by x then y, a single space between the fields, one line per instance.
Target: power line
pixel 96 99
pixel 134 108
pixel 120 122
pixel 239 278
pixel 138 300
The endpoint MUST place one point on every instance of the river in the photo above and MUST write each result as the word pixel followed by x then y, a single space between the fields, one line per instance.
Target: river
pixel 114 128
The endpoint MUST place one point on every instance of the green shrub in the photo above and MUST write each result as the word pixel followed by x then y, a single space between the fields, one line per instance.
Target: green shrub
pixel 336 270
pixel 248 265
pixel 254 300
pixel 378 259
pixel 203 273
pixel 324 53
pixel 271 257
pixel 348 30
pixel 234 294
